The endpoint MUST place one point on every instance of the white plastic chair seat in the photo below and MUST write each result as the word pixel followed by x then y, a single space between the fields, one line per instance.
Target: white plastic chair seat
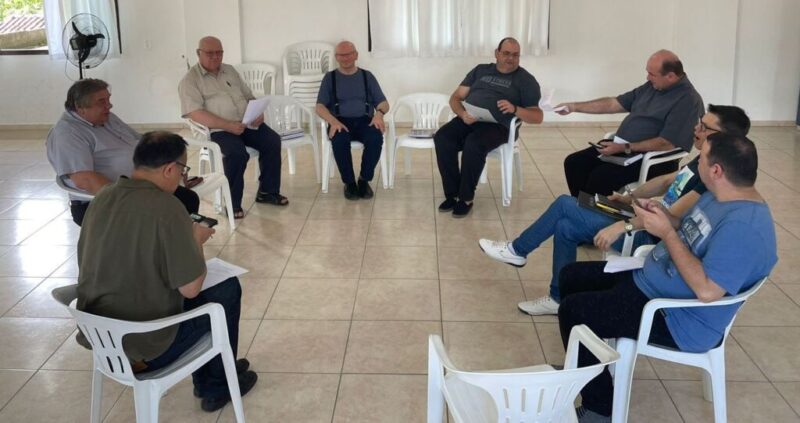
pixel 327 158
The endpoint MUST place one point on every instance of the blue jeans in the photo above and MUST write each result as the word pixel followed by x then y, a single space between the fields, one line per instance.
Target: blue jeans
pixel 210 378
pixel 570 225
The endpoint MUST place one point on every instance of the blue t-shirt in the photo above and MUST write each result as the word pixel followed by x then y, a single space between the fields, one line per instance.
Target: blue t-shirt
pixel 350 92
pixel 735 240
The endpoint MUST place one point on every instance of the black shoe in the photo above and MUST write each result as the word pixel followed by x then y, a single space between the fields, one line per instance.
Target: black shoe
pixel 461 209
pixel 351 191
pixel 246 382
pixel 447 205
pixel 364 190
pixel 242 365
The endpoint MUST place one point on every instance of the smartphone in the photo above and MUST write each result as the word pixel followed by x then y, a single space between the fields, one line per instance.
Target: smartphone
pixel 638 203
pixel 597 146
pixel 199 218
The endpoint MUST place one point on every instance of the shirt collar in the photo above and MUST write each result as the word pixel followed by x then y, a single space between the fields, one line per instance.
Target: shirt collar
pixel 80 119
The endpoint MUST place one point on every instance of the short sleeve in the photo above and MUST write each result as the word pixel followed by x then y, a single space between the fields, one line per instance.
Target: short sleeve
pixel 69 152
pixel 680 121
pixel 181 259
pixel 190 95
pixel 324 94
pixel 375 92
pixel 471 77
pixel 735 247
pixel 626 100
pixel 530 92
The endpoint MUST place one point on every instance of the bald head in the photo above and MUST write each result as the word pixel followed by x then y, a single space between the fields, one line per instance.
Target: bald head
pixel 664 69
pixel 345 46
pixel 209 53
pixel 346 56
pixel 209 42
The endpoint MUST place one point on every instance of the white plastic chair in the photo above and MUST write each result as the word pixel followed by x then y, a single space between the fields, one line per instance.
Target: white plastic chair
pixel 214 180
pixel 105 335
pixel 304 65
pixel 285 115
pixel 712 361
pixel 327 158
pixel 650 159
pixel 524 395
pixel 426 110
pixel 509 156
pixel 73 192
pixel 201 132
pixel 255 75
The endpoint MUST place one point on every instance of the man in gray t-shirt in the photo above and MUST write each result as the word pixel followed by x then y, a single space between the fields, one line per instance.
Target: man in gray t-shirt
pixel 352 103
pixel 662 114
pixel 506 90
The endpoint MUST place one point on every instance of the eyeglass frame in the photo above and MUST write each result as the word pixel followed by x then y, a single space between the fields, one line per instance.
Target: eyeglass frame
pixel 704 127
pixel 185 168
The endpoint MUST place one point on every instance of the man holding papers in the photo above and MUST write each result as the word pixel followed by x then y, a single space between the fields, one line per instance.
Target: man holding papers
pixel 213 94
pixel 499 92
pixel 661 115
pixel 141 258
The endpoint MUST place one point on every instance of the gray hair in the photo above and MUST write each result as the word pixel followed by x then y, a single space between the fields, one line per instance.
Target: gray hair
pixel 79 93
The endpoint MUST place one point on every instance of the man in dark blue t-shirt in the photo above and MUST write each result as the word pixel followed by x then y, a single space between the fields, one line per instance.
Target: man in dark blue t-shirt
pixel 662 114
pixel 506 90
pixel 352 103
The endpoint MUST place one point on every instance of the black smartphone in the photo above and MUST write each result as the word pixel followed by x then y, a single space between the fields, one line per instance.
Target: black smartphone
pixel 597 146
pixel 199 218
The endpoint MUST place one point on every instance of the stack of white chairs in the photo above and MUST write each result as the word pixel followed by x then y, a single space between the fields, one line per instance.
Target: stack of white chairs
pixel 304 65
pixel 259 77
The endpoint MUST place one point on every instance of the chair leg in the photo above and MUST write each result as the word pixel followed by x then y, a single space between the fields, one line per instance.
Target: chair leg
pixel 326 164
pixel 407 157
pixel 290 159
pixel 505 179
pixel 384 171
pixel 233 384
pixel 393 164
pixel 436 401
pixel 226 194
pixel 315 149
pixel 145 402
pixel 716 379
pixel 518 169
pixel 623 378
pixel 97 396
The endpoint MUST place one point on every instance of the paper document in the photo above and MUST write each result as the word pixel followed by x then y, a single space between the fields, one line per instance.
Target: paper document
pixel 218 270
pixel 546 102
pixel 620 264
pixel 255 108
pixel 483 115
pixel 618 140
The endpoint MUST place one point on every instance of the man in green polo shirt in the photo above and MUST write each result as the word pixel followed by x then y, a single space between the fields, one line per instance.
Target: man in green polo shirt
pixel 141 258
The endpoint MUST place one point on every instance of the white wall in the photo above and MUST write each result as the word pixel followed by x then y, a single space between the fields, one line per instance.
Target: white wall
pixel 745 51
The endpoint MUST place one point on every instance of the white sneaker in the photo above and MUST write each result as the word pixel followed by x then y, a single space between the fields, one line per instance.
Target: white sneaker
pixel 500 251
pixel 539 306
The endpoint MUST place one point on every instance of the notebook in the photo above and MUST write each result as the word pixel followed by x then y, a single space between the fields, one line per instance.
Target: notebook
pixel 601 204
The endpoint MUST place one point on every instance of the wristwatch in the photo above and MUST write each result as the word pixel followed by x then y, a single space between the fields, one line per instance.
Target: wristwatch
pixel 628 227
pixel 627 149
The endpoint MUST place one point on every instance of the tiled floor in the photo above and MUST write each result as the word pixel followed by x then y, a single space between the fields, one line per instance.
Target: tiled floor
pixel 342 296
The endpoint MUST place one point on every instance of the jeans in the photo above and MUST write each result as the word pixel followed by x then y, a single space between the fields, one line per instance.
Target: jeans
pixel 358 129
pixel 235 157
pixel 209 379
pixel 570 225
pixel 611 305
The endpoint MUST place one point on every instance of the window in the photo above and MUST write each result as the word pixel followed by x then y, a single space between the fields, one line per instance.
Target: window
pixel 22 27
pixel 429 28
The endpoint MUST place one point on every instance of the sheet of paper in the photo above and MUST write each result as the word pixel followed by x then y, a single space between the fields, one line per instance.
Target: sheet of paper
pixel 479 113
pixel 546 102
pixel 618 140
pixel 620 264
pixel 218 270
pixel 255 108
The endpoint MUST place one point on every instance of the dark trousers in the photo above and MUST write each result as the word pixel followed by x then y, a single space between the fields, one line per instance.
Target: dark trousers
pixel 474 142
pixel 235 157
pixel 186 196
pixel 585 172
pixel 371 137
pixel 210 378
pixel 610 304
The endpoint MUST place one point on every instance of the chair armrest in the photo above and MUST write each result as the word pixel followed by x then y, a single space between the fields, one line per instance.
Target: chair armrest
pixel 216 152
pixel 513 128
pixel 581 334
pixel 213 310
pixel 643 250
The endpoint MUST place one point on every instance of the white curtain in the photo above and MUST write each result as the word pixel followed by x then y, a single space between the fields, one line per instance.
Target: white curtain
pixel 58 12
pixel 428 28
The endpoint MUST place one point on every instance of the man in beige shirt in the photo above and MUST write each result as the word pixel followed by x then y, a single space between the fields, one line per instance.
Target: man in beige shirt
pixel 213 94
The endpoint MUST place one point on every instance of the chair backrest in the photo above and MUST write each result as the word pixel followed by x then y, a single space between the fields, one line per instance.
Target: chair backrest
pixel 104 334
pixel 305 88
pixel 426 109
pixel 73 192
pixel 256 76
pixel 308 58
pixel 286 113
pixel 541 396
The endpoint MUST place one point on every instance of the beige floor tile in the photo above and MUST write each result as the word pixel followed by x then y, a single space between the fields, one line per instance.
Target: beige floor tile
pixel 313 299
pixel 492 346
pixel 298 208
pixel 13 232
pixel 769 307
pixel 471 263
pixel 525 208
pixel 773 349
pixel 408 188
pixel 177 405
pixel 40 303
pixel 400 262
pixel 408 232
pixel 457 233
pixel 13 289
pixel 296 398
pixel 381 398
pixel 539 266
pixel 263 261
pixel 791 393
pixel 294 187
pixel 33 261
pixel 247 333
pixel 787 270
pixel 66 393
pixel 263 231
pixel 324 262
pixel 389 347
pixel 337 207
pixel 738 367
pixel 70 267
pixel 482 209
pixel 256 295
pixel 416 208
pixel 57 232
pixel 482 301
pixel 397 299
pixel 27 343
pixel 333 232
pixel 301 346
pixel 651 403
pixel 10 382
pixel 70 356
pixel 21 189
pixel 747 402
pixel 35 210
pixel 793 291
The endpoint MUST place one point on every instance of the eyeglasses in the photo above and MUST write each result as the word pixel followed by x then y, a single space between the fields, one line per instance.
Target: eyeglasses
pixel 185 170
pixel 212 53
pixel 704 127
pixel 345 54
pixel 509 54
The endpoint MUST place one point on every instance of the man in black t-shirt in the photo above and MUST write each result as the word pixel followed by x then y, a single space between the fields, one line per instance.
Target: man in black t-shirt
pixel 506 90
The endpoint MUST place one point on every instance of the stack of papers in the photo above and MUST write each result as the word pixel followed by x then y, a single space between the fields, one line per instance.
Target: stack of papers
pixel 620 264
pixel 483 115
pixel 546 102
pixel 218 270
